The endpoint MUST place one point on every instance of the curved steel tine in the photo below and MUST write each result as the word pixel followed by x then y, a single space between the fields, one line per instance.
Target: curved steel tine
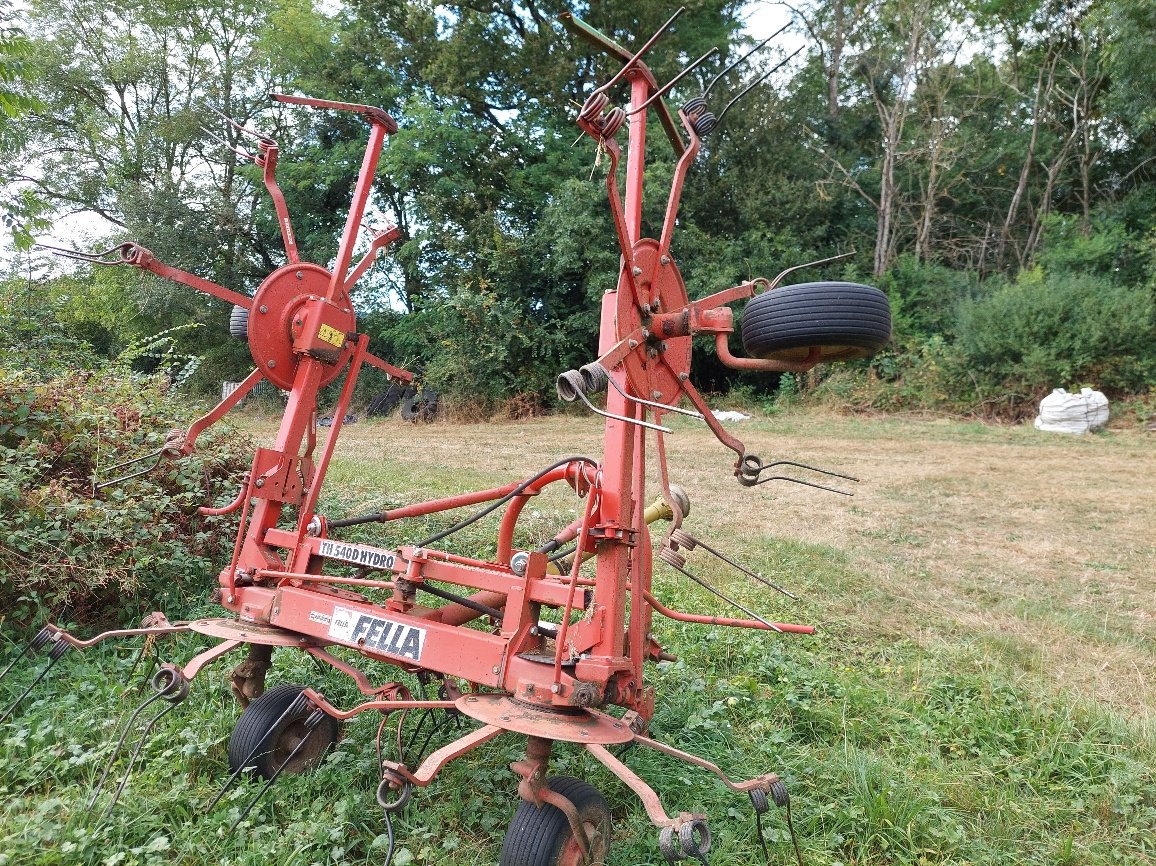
pixel 658 427
pixel 830 472
pixel 778 279
pixel 756 82
pixel 241 152
pixel 39 640
pixel 120 744
pixel 132 460
pixel 742 568
pixel 665 407
pixel 728 68
pixel 159 456
pixel 54 655
pixel 725 598
pixel 649 43
pixel 92 258
pixel 658 94
pixel 136 754
pixel 260 136
pixel 805 484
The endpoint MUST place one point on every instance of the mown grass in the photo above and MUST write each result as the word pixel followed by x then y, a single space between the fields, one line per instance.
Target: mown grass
pixel 908 732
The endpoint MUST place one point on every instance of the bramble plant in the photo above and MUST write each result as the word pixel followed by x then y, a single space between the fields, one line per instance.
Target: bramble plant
pixel 103 552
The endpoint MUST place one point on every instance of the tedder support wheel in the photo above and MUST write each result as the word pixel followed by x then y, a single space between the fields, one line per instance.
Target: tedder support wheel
pixel 846 320
pixel 261 729
pixel 239 322
pixel 541 836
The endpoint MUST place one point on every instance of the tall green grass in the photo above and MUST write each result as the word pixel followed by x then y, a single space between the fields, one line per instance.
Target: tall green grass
pixel 943 751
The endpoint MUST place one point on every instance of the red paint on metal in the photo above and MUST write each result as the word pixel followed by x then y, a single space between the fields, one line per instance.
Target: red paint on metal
pixel 725 620
pixel 139 257
pixel 724 353
pixel 302 334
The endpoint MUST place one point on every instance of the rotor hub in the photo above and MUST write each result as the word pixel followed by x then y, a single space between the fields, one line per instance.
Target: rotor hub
pixel 290 317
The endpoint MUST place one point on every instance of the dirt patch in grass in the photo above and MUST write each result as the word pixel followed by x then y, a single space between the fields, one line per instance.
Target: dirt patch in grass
pixel 1037 550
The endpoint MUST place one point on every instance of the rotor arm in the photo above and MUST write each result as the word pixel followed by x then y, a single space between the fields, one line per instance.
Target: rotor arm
pixel 676 185
pixel 139 257
pixel 267 160
pixel 379 240
pixel 388 368
pixel 185 445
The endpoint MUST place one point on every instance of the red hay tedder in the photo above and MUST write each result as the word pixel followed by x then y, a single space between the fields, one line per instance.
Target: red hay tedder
pixel 560 644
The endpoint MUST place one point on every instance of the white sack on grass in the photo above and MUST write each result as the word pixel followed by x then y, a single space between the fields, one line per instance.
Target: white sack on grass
pixel 1061 412
pixel 726 415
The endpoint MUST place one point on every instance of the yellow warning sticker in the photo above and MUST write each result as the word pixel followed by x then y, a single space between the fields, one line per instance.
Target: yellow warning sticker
pixel 331 335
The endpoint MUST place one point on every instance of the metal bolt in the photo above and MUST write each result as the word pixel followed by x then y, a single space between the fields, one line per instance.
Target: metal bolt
pixel 637 271
pixel 263 308
pixel 495 669
pixel 505 718
pixel 665 260
pixel 656 395
pixel 471 700
pixel 646 308
pixel 657 304
pixel 662 346
pixel 682 377
pixel 232 599
pixel 260 482
pixel 584 732
pixel 270 363
pixel 555 688
pixel 300 276
pixel 645 332
pixel 632 344
pixel 618 724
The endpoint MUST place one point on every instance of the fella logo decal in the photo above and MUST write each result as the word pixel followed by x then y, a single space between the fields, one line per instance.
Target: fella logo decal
pixel 373 632
pixel 358 554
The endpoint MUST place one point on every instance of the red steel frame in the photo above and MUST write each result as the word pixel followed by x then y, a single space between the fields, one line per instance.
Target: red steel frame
pixel 521 678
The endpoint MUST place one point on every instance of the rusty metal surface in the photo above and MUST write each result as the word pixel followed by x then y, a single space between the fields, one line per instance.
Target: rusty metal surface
pixel 250 632
pixel 581 726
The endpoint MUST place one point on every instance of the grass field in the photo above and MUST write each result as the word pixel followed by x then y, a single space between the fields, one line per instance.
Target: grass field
pixel 980 691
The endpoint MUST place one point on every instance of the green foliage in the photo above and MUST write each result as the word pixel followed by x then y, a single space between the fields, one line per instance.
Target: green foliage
pixel 1035 154
pixel 33 340
pixel 925 297
pixel 1106 249
pixel 15 49
pixel 104 553
pixel 1045 331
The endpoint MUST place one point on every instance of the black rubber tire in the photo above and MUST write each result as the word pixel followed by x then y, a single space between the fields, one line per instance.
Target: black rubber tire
pixel 846 320
pixel 239 322
pixel 420 407
pixel 385 402
pixel 539 835
pixel 258 729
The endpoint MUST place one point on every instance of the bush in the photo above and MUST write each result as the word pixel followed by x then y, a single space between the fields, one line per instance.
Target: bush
pixel 32 339
pixel 925 296
pixel 1042 332
pixel 112 553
